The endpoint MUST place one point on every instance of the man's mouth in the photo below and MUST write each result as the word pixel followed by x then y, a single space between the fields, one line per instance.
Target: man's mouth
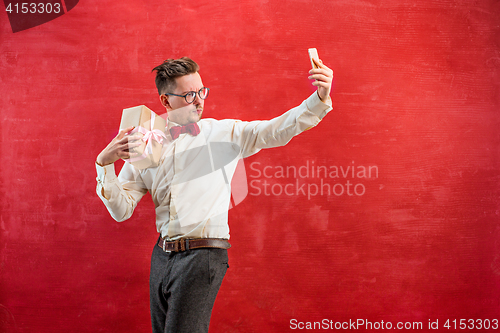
pixel 199 111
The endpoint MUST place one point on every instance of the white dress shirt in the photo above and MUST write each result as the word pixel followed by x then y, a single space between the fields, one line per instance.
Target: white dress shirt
pixel 191 187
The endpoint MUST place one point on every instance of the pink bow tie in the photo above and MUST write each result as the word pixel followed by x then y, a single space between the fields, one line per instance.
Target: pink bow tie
pixel 191 128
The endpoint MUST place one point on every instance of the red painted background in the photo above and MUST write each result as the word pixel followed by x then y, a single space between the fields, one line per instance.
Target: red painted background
pixel 416 94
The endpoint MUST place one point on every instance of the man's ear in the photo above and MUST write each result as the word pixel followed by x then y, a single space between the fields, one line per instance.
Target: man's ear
pixel 164 102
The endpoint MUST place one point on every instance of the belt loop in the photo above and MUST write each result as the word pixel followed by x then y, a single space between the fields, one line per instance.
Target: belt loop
pixel 187 244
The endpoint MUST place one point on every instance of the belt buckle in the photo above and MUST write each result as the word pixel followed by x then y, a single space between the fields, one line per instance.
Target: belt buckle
pixel 180 245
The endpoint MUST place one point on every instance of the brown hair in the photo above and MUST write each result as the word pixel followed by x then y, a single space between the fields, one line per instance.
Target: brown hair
pixel 167 72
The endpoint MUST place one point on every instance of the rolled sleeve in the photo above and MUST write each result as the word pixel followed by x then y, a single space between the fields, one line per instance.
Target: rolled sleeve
pixel 105 176
pixel 121 194
pixel 316 106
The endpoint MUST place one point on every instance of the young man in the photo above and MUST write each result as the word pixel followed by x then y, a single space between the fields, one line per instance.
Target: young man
pixel 191 188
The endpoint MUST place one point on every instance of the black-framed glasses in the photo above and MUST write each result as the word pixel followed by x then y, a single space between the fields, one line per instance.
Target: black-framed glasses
pixel 191 96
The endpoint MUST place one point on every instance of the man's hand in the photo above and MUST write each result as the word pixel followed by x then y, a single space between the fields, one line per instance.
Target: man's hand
pixel 121 146
pixel 324 77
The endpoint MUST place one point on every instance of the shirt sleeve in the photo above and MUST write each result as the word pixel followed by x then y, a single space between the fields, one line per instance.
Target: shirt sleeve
pixel 120 194
pixel 255 135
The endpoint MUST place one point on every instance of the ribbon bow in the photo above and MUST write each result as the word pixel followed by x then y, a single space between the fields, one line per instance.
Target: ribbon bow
pixel 191 128
pixel 148 137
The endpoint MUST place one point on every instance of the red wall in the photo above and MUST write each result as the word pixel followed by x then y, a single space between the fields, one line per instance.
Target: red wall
pixel 416 96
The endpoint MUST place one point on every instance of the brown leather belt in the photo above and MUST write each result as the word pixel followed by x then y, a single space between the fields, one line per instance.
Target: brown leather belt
pixel 185 244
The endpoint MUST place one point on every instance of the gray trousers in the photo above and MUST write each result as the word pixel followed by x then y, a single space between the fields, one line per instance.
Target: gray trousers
pixel 183 287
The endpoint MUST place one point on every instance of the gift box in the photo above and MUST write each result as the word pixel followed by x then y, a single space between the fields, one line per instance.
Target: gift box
pixel 152 129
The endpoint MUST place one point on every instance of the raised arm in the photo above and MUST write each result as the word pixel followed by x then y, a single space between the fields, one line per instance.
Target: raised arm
pixel 120 194
pixel 255 135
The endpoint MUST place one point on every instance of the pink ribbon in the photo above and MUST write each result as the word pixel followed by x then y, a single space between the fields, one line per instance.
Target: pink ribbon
pixel 148 137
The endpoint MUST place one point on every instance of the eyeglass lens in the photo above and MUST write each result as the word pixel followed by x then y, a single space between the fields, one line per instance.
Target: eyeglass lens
pixel 203 92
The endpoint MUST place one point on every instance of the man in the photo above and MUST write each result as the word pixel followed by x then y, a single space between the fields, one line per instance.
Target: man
pixel 191 188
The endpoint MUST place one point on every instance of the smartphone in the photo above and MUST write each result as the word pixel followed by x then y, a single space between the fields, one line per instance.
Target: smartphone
pixel 313 53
